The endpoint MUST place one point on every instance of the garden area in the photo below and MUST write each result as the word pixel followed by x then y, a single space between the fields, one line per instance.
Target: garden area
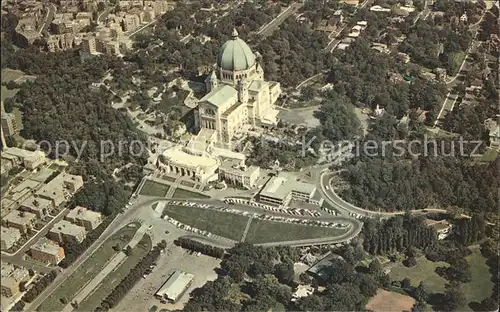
pixel 182 193
pixel 152 188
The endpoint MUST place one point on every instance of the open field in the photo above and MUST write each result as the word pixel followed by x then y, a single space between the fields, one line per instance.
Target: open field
pixel 481 285
pixel 181 193
pixel 423 271
pixel 269 231
pixel 390 301
pixel 220 223
pixel 114 278
pixel 89 269
pixel 9 75
pixel 476 290
pixel 152 188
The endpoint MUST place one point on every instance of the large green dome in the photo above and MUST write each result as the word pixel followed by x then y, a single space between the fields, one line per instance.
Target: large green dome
pixel 235 55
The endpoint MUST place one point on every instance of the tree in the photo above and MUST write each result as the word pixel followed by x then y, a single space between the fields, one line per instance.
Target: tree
pixel 375 267
pixel 419 293
pixel 22 286
pixel 284 272
pixel 410 262
pixel 406 283
pixel 489 304
pixel 453 298
pixel 419 306
pixel 128 250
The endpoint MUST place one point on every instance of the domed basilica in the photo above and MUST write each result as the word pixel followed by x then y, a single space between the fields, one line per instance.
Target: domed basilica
pixel 238 96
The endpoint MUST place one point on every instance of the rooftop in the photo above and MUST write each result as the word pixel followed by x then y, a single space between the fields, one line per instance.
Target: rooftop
pixel 36 203
pixel 21 153
pixel 8 231
pixel 237 167
pixel 83 213
pixel 47 246
pixel 280 187
pixel 66 227
pixel 320 269
pixel 19 217
pixel 220 96
pixel 179 156
pixel 175 285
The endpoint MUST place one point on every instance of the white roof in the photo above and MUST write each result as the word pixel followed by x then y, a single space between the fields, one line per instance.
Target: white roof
pixel 175 285
pixel 178 156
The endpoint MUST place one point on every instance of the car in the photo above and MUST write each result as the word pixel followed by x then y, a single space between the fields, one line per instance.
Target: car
pixel 150 227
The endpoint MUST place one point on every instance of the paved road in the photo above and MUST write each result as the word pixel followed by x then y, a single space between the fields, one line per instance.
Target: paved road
pixel 48 19
pixel 335 41
pixel 451 98
pixel 278 20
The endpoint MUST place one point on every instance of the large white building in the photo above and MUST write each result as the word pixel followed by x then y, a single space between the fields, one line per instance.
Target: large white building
pixel 175 286
pixel 239 98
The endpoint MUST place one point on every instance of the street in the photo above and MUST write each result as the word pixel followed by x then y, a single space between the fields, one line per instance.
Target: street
pixel 276 22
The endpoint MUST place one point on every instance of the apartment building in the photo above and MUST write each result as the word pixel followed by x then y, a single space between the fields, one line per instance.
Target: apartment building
pixel 9 124
pixel 84 217
pixel 60 188
pixel 12 276
pixel 30 159
pixel 67 232
pixel 23 221
pixel 38 206
pixel 47 251
pixel 10 236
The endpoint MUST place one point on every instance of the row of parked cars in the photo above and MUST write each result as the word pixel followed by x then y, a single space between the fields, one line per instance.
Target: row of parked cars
pixel 292 211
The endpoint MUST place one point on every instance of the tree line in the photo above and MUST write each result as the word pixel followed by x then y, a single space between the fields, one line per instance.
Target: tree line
pixel 205 249
pixel 39 286
pixel 397 234
pixel 132 278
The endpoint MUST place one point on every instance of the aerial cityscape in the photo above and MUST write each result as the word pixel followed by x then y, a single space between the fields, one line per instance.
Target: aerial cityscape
pixel 250 155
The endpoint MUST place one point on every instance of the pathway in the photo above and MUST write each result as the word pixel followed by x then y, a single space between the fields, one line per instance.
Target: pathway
pixel 244 236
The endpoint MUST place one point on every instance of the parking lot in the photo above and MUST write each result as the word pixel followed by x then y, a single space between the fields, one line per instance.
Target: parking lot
pixel 141 297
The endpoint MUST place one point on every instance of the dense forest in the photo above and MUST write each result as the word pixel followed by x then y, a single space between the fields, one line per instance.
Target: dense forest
pixel 378 183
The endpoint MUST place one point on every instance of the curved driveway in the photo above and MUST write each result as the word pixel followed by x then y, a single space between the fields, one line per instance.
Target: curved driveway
pixel 349 209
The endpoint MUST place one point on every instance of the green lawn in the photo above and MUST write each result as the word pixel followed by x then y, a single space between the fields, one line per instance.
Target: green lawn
pixel 220 223
pixel 182 193
pixel 262 231
pixel 423 271
pixel 152 188
pixel 114 278
pixel 88 270
pixel 481 285
pixel 477 289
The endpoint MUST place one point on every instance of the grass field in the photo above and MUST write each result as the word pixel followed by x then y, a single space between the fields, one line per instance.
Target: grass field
pixel 423 271
pixel 262 231
pixel 88 270
pixel 152 188
pixel 9 75
pixel 182 193
pixel 220 223
pixel 477 289
pixel 114 278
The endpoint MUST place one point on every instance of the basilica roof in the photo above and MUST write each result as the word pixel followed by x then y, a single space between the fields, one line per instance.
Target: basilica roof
pixel 235 54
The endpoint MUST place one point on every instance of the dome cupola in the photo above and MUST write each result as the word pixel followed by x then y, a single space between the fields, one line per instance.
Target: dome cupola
pixel 235 55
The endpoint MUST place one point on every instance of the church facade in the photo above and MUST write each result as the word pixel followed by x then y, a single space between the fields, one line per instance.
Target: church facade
pixel 238 96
